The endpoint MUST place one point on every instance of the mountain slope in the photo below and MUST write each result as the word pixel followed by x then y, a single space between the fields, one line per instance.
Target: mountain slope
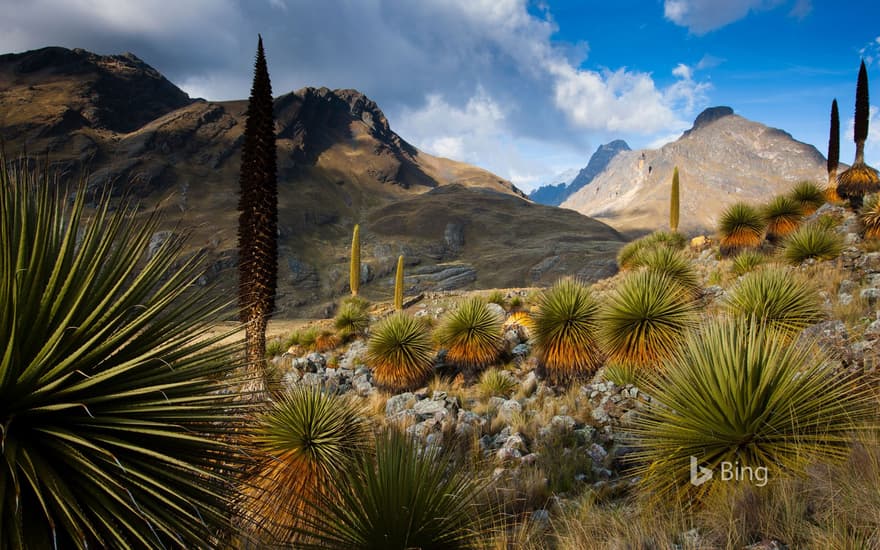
pixel 554 195
pixel 338 162
pixel 723 159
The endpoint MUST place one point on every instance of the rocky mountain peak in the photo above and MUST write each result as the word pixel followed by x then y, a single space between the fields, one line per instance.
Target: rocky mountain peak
pixel 709 116
pixel 554 195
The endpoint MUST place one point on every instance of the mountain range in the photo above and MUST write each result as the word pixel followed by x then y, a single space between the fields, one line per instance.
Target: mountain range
pixel 556 194
pixel 123 124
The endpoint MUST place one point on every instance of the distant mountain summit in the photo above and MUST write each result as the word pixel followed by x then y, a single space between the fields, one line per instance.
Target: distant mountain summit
pixel 339 163
pixel 722 159
pixel 555 195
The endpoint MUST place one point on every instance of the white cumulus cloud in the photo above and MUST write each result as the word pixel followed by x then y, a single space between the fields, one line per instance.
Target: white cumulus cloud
pixel 702 16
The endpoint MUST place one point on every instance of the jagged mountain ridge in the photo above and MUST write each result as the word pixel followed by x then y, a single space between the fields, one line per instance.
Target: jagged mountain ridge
pixel 723 159
pixel 555 195
pixel 338 161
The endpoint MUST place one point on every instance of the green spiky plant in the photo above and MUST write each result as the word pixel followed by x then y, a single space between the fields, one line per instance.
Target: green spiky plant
pixel 565 331
pixel 352 319
pixel 665 238
pixel 672 263
pixel 741 226
pixel 812 241
pixel 399 352
pixel 859 179
pixel 398 285
pixel 777 298
pixel 870 217
pixel 471 334
pixel 781 216
pixel 628 256
pixel 747 261
pixel 404 496
pixel 302 445
pixel 354 268
pixel 741 394
pixel 808 195
pixel 645 319
pixel 116 410
pixel 673 202
pixel 497 383
pixel 833 154
pixel 258 220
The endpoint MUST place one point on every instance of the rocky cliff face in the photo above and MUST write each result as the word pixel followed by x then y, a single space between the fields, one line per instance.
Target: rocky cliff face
pixel 339 161
pixel 554 195
pixel 724 158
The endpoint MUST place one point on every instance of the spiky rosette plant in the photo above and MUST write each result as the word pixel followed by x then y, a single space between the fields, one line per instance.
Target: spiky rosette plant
pixel 403 496
pixel 352 319
pixel 117 411
pixel 747 261
pixel 521 321
pixel 741 226
pixel 870 217
pixel 776 297
pixel 471 334
pixel 628 256
pixel 740 394
pixel 303 445
pixel 565 331
pixel 812 241
pixel 645 320
pixel 400 353
pixel 808 195
pixel 860 179
pixel 673 264
pixel 833 154
pixel 781 216
pixel 670 239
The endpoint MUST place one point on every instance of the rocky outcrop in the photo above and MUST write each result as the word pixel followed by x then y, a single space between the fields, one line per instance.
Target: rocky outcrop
pixel 554 195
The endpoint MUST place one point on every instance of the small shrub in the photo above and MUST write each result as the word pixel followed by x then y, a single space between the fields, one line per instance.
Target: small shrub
pixel 812 241
pixel 741 226
pixel 308 338
pixel 782 215
pixel 645 319
pixel 565 331
pixel 809 195
pixel 777 298
pixel 403 496
pixel 747 261
pixel 304 443
pixel 673 264
pixel 516 303
pixel 740 393
pixel 399 351
pixel 497 383
pixel 274 348
pixel 471 334
pixel 496 297
pixel 870 217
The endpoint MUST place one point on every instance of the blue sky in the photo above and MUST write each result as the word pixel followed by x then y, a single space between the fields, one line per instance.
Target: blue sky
pixel 526 89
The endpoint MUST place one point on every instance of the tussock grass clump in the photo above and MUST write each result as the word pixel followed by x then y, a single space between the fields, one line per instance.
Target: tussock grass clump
pixel 403 496
pixel 114 407
pixel 747 261
pixel 630 256
pixel 497 383
pixel 673 264
pixel 305 442
pixel 782 215
pixel 274 347
pixel 670 239
pixel 471 334
pixel 496 297
pixel 352 319
pixel 870 217
pixel 808 195
pixel 565 331
pixel 400 353
pixel 739 392
pixel 645 319
pixel 741 226
pixel 812 241
pixel 776 297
